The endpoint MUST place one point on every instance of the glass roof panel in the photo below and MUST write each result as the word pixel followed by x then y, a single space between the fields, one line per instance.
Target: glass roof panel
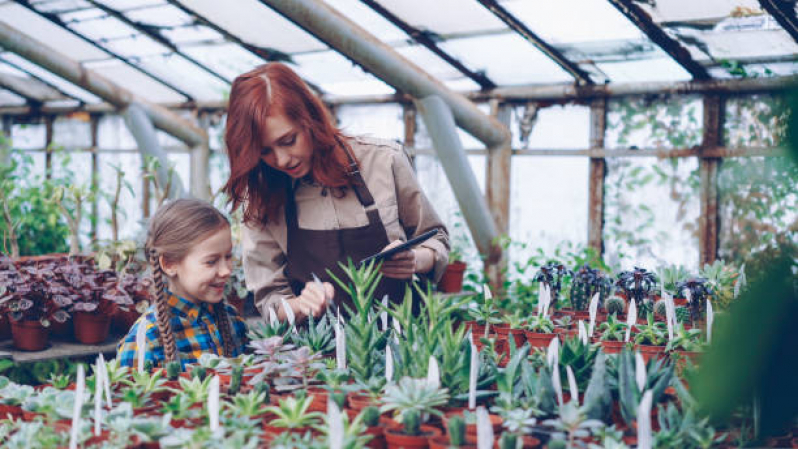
pixel 102 29
pixel 336 75
pixel 704 10
pixel 526 66
pixel 138 45
pixel 229 60
pixel 166 16
pixel 462 84
pixel 191 34
pixel 430 63
pixel 8 98
pixel 141 84
pixel 48 77
pixel 445 16
pixel 121 5
pixel 45 31
pixel 659 69
pixel 367 18
pixel 248 20
pixel 180 72
pixel 59 5
pixel 87 14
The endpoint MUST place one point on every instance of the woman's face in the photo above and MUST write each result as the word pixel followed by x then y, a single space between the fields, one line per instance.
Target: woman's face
pixel 286 147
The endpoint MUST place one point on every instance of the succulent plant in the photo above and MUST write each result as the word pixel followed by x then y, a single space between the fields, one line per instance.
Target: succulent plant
pixel 586 283
pixel 637 285
pixel 173 370
pixel 660 308
pixel 371 416
pixel 411 420
pixel 456 428
pixel 615 305
pixel 553 275
pixel 199 372
pixel 235 379
pixel 698 290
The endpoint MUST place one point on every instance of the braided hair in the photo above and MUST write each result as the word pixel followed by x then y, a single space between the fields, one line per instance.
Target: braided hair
pixel 172 232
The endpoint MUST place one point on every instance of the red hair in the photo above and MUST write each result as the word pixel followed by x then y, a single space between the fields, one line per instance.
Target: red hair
pixel 269 89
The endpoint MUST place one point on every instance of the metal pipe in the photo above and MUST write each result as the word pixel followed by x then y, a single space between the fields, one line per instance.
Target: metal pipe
pixel 356 43
pixel 30 88
pixel 141 126
pixel 39 53
pixel 442 130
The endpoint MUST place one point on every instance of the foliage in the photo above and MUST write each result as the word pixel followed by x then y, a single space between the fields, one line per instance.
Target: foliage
pixel 699 290
pixel 652 333
pixel 413 394
pixel 319 335
pixel 722 279
pixel 292 413
pixel 613 329
pixel 637 285
pixel 586 283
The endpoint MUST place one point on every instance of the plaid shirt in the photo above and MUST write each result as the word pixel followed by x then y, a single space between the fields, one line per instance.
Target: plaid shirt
pixel 194 328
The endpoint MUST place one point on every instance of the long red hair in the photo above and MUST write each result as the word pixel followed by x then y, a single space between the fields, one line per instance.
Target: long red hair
pixel 255 95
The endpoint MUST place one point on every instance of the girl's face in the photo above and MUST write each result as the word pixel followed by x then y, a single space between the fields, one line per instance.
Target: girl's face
pixel 203 273
pixel 286 147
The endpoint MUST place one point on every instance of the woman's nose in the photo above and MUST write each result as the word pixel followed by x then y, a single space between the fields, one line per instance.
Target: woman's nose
pixel 282 159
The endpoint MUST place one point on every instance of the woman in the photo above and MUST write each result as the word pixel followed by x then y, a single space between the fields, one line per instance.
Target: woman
pixel 313 197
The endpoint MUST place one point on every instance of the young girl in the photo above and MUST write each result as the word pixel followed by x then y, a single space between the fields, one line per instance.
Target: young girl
pixel 190 253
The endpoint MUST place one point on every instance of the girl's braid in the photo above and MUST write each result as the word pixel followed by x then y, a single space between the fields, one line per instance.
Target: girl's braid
pixel 223 323
pixel 163 314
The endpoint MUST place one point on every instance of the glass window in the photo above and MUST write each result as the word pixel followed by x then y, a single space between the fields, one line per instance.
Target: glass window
pixel 229 60
pixel 469 142
pixel 755 121
pixel 383 121
pixel 336 75
pixel 444 16
pixel 370 20
pixel 136 81
pixel 25 136
pixel 554 127
pixel 72 133
pixel 637 122
pixel 130 209
pixel 181 72
pixel 662 68
pixel 113 134
pixel 55 80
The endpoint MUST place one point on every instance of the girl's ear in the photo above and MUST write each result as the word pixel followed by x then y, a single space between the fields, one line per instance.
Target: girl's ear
pixel 167 268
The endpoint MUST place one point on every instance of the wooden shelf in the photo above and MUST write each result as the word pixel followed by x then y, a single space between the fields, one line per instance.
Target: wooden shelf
pixel 58 350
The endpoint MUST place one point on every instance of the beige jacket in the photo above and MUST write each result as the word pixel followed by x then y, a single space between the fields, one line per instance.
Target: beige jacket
pixel 404 209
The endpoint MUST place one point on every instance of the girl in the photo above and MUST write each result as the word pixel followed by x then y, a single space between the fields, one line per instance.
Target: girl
pixel 313 197
pixel 190 253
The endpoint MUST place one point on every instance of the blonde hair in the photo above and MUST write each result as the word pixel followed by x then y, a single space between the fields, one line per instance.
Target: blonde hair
pixel 173 230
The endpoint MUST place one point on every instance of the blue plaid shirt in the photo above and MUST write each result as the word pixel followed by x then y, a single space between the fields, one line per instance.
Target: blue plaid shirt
pixel 194 328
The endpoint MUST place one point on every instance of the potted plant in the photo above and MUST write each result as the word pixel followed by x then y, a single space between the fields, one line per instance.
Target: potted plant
pixel 136 287
pixel 698 290
pixel 318 335
pixel 612 333
pixel 670 277
pixel 637 285
pixel 452 278
pixel 722 279
pixel 455 437
pixel 615 305
pixel 411 400
pixel 371 419
pixel 552 275
pixel 520 423
pixel 686 342
pixel 292 414
pixel 650 338
pixel 470 422
pixel 573 424
pixel 515 327
pixel 540 331
pixel 27 301
pixel 586 283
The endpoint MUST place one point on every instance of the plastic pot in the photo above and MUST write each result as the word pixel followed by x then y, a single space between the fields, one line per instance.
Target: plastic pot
pixel 396 438
pixel 61 330
pixel 5 327
pixel 612 347
pixel 125 320
pixel 452 279
pixel 29 335
pixel 651 352
pixel 378 437
pixel 538 340
pixel 91 329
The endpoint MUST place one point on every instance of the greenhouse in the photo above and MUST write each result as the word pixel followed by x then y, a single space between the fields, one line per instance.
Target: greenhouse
pixel 398 224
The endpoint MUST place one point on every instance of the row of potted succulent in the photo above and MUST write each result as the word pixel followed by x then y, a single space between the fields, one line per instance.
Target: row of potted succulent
pixel 66 298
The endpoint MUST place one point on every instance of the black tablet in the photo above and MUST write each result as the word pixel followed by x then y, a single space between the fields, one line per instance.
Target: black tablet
pixel 388 253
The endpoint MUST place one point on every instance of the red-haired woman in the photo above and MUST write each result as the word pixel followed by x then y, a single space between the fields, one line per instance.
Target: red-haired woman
pixel 313 197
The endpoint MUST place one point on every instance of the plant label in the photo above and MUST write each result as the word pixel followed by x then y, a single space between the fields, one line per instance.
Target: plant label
pixel 582 332
pixel 484 429
pixel 669 313
pixel 388 364
pixel 336 424
pixel 141 346
pixel 340 347
pixel 106 381
pixel 472 377
pixel 631 319
pixel 553 352
pixel 710 320
pixel 213 404
pixel 546 300
pixel 273 318
pixel 98 395
pixel 644 439
pixel 556 383
pixel 78 405
pixel 433 372
pixel 640 371
pixel 384 313
pixel 572 386
pixel 289 313
pixel 488 295
pixel 688 295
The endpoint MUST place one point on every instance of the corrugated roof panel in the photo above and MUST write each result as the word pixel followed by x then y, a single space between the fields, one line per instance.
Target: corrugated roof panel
pixel 257 24
pixel 507 59
pixel 431 63
pixel 60 83
pixel 703 10
pixel 130 78
pixel 336 75
pixel 48 33
pixel 229 60
pixel 370 20
pixel 444 16
pixel 135 46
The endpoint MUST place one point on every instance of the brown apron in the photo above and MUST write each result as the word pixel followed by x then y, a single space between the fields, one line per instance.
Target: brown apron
pixel 313 251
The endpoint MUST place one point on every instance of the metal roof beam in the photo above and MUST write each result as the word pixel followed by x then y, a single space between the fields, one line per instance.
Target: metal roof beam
pixel 31 89
pixel 426 40
pixel 54 18
pixel 784 13
pixel 154 33
pixel 581 76
pixel 47 57
pixel 671 46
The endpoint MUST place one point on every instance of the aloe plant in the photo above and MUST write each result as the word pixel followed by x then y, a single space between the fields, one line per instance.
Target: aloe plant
pixel 659 376
pixel 414 394
pixel 580 357
pixel 652 333
pixel 612 329
pixel 540 324
pixel 146 382
pixel 573 423
pixel 318 335
pixel 292 413
pixel 250 404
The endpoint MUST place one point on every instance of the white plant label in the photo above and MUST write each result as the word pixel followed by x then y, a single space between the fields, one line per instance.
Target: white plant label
pixel 688 295
pixel 273 321
pixel 593 309
pixel 644 438
pixel 556 383
pixel 631 319
pixel 572 386
pixel 640 371
pixel 106 381
pixel 487 293
pixel 141 346
pixel 553 352
pixel 80 387
pixel 433 373
pixel 384 313
pixel 213 404
pixel 472 378
pixel 98 395
pixel 669 313
pixel 547 300
pixel 541 287
pixel 289 313
pixel 397 327
pixel 484 429
pixel 582 332
pixel 710 320
pixel 336 424
pixel 388 364
pixel 340 347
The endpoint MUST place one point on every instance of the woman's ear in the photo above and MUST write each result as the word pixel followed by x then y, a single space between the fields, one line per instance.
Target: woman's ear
pixel 167 268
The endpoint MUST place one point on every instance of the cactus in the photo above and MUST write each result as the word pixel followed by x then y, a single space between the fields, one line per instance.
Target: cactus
pixel 412 421
pixel 615 304
pixel 682 314
pixel 339 397
pixel 199 372
pixel 263 388
pixel 371 416
pixel 148 366
pixel 235 380
pixel 300 394
pixel 508 441
pixel 173 370
pixel 660 307
pixel 456 431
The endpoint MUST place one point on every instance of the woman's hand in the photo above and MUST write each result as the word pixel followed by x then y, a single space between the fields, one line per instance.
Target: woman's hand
pixel 312 300
pixel 403 265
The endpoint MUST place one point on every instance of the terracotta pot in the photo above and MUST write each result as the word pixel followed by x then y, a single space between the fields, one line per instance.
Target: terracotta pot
pixel 581 315
pixel 29 335
pixel 30 416
pixel 378 437
pixel 679 301
pixel 651 352
pixel 612 347
pixel 124 320
pixel 452 279
pixel 62 331
pixel 319 401
pixel 568 334
pixel 518 335
pixel 442 442
pixel 358 402
pixel 91 329
pixel 12 411
pixel 274 431
pixel 396 439
pixel 530 442
pixel 5 327
pixel 538 340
